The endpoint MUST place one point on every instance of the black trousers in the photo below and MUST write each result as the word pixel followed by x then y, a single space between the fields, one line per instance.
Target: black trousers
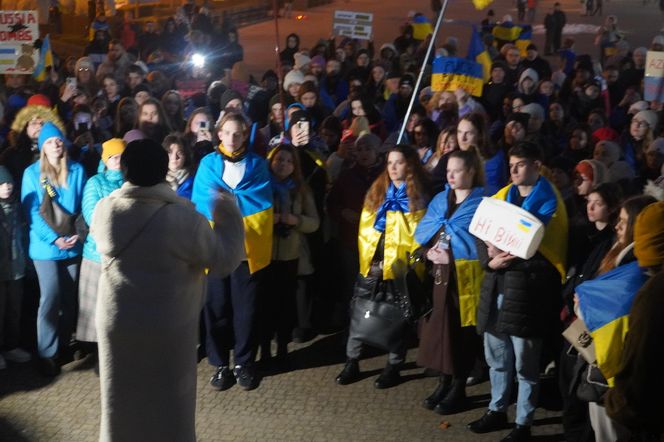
pixel 11 294
pixel 278 311
pixel 230 311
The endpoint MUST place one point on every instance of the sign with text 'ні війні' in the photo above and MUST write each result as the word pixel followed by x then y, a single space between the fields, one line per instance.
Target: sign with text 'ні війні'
pixel 508 227
pixel 653 82
pixel 18 32
pixel 353 24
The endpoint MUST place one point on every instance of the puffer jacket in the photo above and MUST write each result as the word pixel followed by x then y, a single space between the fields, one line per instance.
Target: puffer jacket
pixel 531 292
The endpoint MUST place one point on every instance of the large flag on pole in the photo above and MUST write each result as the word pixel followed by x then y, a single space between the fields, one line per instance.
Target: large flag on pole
pixel 477 52
pixel 452 73
pixel 45 60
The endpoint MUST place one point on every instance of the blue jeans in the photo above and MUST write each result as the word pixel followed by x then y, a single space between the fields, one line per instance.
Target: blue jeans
pixel 505 353
pixel 58 300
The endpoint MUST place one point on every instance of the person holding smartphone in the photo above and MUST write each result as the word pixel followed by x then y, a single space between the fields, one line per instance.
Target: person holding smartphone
pixel 315 176
pixel 56 257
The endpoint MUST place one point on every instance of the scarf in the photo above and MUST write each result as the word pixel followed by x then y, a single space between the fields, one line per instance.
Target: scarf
pixel 396 200
pixel 175 179
pixel 233 157
pixel 282 193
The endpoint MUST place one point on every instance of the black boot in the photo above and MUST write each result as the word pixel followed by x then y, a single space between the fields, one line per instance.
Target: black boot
pixel 350 373
pixel 390 377
pixel 444 384
pixel 491 421
pixel 455 400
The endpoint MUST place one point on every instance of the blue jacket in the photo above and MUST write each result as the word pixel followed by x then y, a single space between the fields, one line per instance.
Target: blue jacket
pixel 97 187
pixel 42 237
pixel 495 173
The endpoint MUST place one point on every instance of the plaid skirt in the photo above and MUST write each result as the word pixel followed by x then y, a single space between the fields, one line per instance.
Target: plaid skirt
pixel 88 283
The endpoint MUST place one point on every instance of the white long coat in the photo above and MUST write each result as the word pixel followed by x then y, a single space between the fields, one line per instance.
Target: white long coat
pixel 151 293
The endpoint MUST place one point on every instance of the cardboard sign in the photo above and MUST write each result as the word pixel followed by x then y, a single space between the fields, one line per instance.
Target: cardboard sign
pixel 352 24
pixel 653 82
pixel 18 32
pixel 508 227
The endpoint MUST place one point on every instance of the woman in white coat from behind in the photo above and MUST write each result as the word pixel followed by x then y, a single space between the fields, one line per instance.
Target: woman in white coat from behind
pixel 155 248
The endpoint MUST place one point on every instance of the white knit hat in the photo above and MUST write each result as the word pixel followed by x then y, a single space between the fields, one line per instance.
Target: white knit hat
pixel 294 76
pixel 301 60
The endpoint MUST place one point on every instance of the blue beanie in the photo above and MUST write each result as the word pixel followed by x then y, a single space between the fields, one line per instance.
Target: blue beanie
pixel 49 130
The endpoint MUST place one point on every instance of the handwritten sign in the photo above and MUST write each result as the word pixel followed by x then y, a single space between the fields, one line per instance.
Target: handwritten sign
pixel 653 82
pixel 18 32
pixel 353 24
pixel 508 227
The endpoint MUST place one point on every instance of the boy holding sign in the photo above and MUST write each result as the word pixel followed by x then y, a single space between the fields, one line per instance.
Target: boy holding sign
pixel 517 300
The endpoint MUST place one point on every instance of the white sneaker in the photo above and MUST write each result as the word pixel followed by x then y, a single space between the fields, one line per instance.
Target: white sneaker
pixel 17 355
pixel 3 363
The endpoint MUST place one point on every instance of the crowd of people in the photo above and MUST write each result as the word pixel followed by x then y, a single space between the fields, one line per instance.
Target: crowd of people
pixel 332 199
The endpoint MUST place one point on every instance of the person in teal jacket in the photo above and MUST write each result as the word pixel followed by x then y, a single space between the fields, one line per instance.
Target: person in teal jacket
pixel 99 186
pixel 56 256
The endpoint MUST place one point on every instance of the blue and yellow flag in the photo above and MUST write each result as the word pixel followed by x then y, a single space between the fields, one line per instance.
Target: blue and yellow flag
pixel 506 31
pixel 394 220
pixel 477 52
pixel 45 60
pixel 469 272
pixel 421 27
pixel 545 202
pixel 525 38
pixel 254 198
pixel 452 73
pixel 605 303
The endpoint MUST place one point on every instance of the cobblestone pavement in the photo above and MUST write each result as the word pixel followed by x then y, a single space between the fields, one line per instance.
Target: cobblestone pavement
pixel 299 405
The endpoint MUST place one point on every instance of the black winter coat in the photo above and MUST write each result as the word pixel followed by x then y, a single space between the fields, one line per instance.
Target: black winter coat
pixel 531 293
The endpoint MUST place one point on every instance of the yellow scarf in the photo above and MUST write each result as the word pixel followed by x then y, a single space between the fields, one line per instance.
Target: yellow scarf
pixel 232 155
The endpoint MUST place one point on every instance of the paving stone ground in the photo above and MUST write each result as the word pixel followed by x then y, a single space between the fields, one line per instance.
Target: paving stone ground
pixel 303 404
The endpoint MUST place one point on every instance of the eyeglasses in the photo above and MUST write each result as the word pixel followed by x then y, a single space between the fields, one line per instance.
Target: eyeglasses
pixel 83 69
pixel 640 124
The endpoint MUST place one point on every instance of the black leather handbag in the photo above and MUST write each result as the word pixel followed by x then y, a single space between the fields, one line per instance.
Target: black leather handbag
pixel 376 319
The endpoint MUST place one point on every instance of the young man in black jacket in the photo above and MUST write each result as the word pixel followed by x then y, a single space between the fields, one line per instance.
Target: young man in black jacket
pixel 518 297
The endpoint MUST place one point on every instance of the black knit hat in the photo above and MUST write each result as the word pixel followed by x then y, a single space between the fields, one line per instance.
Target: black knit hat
pixel 227 96
pixel 144 163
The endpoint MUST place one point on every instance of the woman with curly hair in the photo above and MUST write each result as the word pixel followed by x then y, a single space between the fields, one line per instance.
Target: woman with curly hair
pixel 393 207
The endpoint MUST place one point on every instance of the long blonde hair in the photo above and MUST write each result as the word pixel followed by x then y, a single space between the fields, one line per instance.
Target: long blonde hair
pixel 57 176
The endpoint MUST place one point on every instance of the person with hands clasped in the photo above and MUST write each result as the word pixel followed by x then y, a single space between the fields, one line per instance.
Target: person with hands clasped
pixel 54 246
pixel 518 296
pixel 448 341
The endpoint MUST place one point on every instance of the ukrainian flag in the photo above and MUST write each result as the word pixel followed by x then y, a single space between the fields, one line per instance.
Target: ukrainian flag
pixel 507 31
pixel 452 73
pixel 477 52
pixel 45 60
pixel 481 4
pixel 605 303
pixel 469 273
pixel 525 38
pixel 254 199
pixel 421 27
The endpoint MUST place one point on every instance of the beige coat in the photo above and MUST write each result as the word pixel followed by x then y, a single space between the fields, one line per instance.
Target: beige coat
pixel 151 293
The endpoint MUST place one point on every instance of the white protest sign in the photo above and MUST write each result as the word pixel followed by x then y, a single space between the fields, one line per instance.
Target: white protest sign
pixel 653 82
pixel 352 24
pixel 508 227
pixel 18 32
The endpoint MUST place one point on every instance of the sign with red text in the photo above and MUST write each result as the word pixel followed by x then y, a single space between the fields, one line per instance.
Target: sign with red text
pixel 653 82
pixel 18 32
pixel 508 227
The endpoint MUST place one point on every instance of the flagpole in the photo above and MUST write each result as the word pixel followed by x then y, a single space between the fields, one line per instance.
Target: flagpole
pixel 424 64
pixel 280 80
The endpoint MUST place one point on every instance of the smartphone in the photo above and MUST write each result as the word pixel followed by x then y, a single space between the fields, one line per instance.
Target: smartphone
pixel 303 127
pixel 72 81
pixel 83 127
pixel 204 125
